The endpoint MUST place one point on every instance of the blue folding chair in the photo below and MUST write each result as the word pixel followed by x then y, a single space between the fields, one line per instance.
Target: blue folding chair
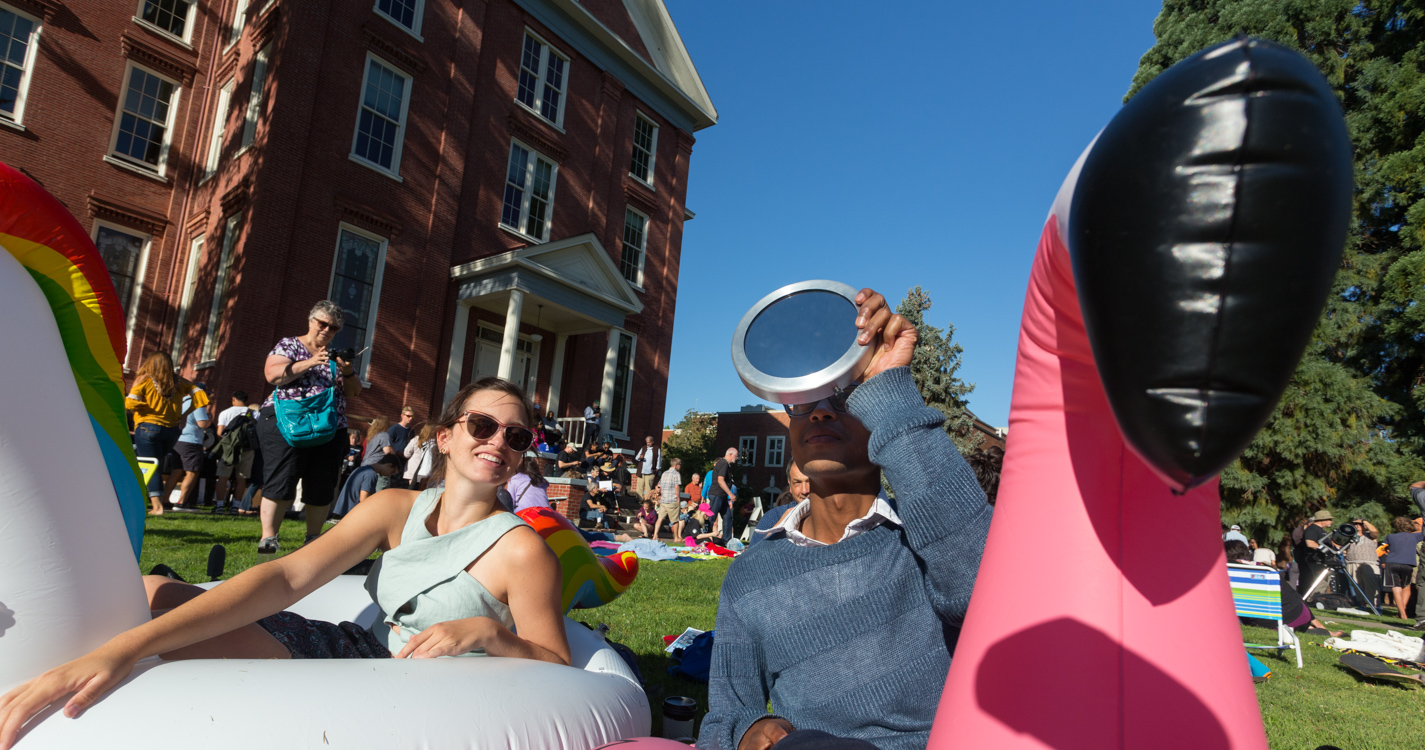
pixel 1256 592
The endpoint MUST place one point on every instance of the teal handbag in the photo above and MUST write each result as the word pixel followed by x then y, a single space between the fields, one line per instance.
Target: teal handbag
pixel 311 421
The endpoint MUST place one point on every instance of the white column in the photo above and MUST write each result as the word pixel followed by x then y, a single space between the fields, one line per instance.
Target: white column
pixel 556 372
pixel 457 350
pixel 606 393
pixel 512 335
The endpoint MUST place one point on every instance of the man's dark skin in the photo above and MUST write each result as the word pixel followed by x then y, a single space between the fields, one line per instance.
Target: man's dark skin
pixel 832 448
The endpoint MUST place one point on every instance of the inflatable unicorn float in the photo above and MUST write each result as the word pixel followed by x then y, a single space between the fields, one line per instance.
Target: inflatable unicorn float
pixel 71 524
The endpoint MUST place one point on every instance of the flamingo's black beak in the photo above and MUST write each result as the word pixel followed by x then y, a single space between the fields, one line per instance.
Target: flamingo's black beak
pixel 1205 230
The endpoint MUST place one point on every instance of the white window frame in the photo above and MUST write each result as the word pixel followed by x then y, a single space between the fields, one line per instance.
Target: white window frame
pixel 395 168
pixel 239 23
pixel 131 314
pixel 190 286
pixel 18 118
pixel 125 159
pixel 780 441
pixel 637 281
pixel 415 28
pixel 187 23
pixel 534 156
pixel 652 153
pixel 220 121
pixel 540 84
pixel 365 370
pixel 747 450
pixel 611 377
pixel 260 62
pixel 221 281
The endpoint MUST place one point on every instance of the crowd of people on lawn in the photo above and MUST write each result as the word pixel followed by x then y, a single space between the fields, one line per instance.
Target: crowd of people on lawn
pixel 893 574
pixel 1352 560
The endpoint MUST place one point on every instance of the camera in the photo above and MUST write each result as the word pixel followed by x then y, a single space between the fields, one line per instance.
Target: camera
pixel 347 355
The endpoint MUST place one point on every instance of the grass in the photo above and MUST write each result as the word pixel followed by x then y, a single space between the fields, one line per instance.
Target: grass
pixel 1322 704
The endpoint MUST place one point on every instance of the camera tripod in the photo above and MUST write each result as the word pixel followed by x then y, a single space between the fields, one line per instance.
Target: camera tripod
pixel 1336 563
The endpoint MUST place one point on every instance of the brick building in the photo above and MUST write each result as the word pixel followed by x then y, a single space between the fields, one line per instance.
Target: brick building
pixel 486 186
pixel 760 434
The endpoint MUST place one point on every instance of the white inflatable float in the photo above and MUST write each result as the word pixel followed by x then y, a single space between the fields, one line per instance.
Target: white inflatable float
pixel 69 580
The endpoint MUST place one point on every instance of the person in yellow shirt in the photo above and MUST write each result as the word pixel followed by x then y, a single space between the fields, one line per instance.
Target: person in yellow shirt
pixel 157 403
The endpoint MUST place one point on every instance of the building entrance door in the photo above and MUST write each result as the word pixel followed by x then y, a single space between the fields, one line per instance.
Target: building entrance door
pixel 487 359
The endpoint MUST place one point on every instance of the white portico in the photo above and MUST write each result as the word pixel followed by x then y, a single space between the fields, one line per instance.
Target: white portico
pixel 567 287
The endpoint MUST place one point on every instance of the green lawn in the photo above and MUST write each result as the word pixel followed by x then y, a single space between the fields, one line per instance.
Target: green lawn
pixel 1322 704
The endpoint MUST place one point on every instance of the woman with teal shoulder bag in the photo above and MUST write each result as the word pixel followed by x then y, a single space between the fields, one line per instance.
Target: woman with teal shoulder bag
pixel 300 421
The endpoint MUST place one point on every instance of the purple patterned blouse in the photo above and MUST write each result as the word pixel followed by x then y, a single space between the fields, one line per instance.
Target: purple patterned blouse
pixel 311 383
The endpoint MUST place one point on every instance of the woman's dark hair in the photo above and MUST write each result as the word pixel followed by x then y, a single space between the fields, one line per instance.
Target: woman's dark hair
pixel 1236 550
pixel 986 463
pixel 455 409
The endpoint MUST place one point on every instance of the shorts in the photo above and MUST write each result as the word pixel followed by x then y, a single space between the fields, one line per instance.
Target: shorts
pixel 314 639
pixel 192 455
pixel 1397 576
pixel 283 466
pixel 668 511
pixel 244 466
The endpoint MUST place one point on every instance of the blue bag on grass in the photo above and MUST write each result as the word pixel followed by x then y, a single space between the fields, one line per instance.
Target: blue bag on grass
pixel 697 659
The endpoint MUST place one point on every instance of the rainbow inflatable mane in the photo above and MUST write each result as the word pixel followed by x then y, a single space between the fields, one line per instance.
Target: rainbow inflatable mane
pixel 58 254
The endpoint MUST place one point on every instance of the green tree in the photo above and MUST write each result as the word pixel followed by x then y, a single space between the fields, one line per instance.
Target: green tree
pixel 1349 430
pixel 933 367
pixel 692 440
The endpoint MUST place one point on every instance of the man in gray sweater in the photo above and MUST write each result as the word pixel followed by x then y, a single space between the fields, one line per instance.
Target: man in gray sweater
pixel 845 618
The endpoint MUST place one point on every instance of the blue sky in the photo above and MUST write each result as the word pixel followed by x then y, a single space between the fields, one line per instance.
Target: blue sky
pixel 886 145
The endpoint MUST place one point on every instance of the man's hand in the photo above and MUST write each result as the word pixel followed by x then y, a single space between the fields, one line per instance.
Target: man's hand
pixel 765 733
pixel 890 336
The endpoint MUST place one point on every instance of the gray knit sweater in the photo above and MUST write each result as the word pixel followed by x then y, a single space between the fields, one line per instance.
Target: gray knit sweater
pixel 855 638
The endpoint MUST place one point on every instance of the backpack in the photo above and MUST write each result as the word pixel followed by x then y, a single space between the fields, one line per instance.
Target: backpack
pixel 238 438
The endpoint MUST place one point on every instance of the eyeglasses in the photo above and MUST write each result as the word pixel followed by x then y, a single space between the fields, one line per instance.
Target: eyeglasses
pixel 483 427
pixel 324 324
pixel 837 401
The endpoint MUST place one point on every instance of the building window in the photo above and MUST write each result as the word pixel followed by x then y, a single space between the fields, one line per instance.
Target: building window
pixel 623 383
pixel 747 450
pixel 776 447
pixel 635 243
pixel 356 286
pixel 221 284
pixel 18 34
pixel 143 126
pixel 254 97
pixel 172 16
pixel 645 143
pixel 190 286
pixel 239 21
pixel 381 119
pixel 529 192
pixel 542 79
pixel 123 254
pixel 404 13
pixel 220 122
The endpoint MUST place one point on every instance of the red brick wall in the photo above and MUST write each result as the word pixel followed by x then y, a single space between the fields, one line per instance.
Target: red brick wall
pixel 296 184
pixel 757 475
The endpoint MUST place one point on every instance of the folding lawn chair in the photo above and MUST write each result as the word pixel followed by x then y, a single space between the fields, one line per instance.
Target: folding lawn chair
pixel 752 520
pixel 1256 592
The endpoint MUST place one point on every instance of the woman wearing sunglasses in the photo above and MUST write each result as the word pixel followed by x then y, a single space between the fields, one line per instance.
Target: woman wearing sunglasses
pixel 458 577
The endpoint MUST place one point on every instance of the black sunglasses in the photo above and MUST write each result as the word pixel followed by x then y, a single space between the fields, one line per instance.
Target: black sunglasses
pixel 837 401
pixel 483 427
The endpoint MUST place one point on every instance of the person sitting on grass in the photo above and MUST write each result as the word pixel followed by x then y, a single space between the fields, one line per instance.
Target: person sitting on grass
pixel 481 434
pixel 1294 612
pixel 851 573
pixel 362 483
pixel 647 516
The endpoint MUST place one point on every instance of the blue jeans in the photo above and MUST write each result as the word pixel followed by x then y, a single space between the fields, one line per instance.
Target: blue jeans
pixel 596 516
pixel 154 441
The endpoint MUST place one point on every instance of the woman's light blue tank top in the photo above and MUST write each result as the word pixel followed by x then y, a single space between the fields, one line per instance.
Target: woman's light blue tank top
pixel 423 580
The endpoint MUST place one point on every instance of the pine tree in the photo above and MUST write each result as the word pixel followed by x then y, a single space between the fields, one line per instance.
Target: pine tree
pixel 1349 430
pixel 933 367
